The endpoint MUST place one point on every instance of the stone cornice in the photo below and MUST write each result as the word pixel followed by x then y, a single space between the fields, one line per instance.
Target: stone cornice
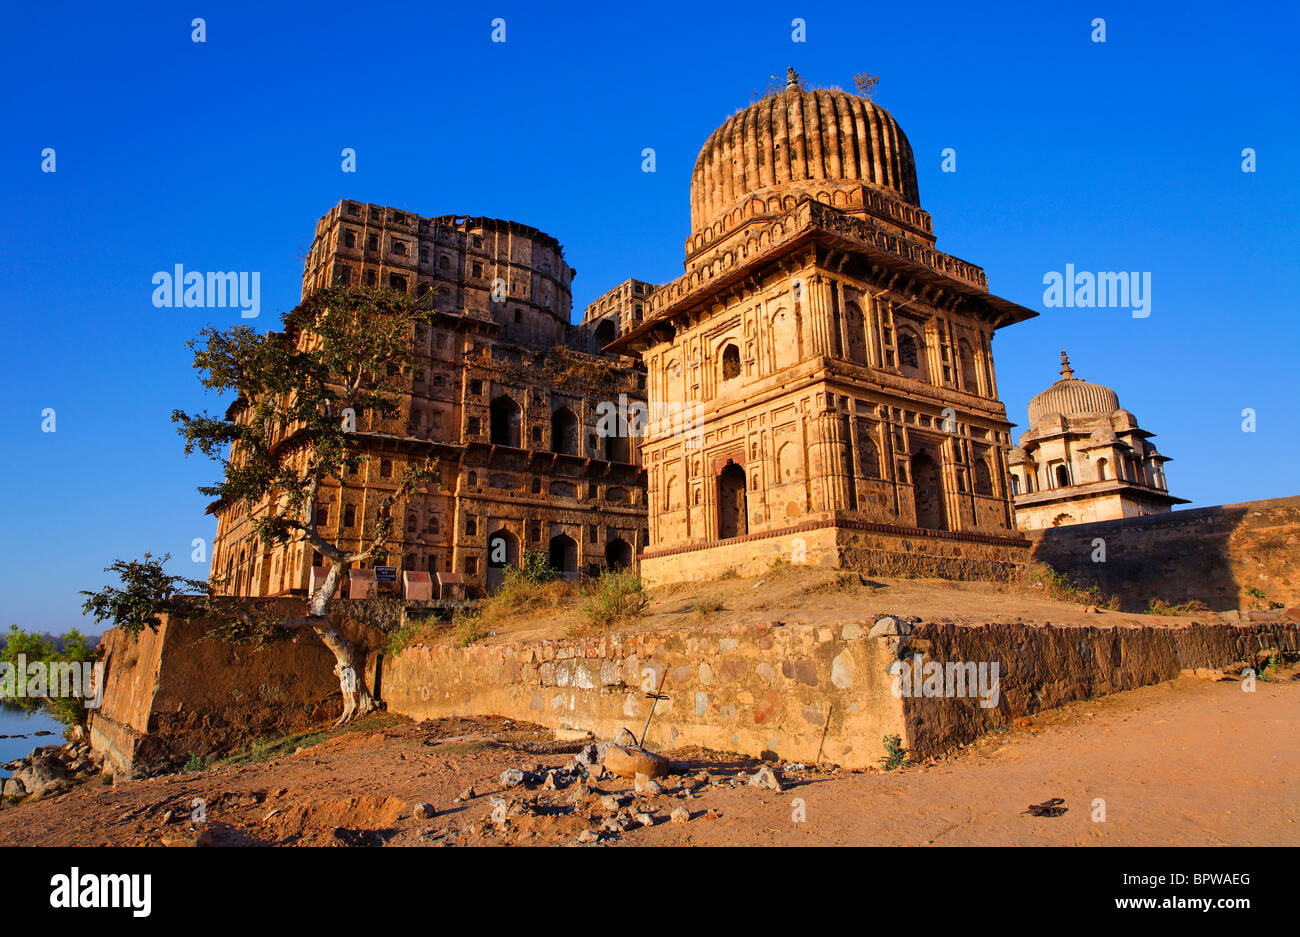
pixel 807 222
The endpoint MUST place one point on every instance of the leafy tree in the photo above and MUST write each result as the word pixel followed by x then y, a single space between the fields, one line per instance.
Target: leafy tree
pixel 293 430
pixel 73 648
pixel 147 591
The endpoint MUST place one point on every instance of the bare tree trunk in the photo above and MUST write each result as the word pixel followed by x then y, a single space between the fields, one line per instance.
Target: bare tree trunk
pixel 350 661
pixel 350 666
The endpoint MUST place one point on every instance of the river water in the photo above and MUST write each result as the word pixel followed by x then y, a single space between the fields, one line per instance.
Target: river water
pixel 16 722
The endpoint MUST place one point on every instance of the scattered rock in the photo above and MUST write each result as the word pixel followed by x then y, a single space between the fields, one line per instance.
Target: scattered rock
pixel 588 756
pixel 625 738
pixel 466 794
pixel 612 801
pixel 680 815
pixel 628 762
pixel 647 787
pixel 588 836
pixel 511 777
pixel 889 627
pixel 766 778
pixel 425 811
pixel 644 819
pixel 13 788
pixel 579 794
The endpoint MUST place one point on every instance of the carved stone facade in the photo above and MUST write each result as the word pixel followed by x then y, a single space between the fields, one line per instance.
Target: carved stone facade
pixel 1085 459
pixel 617 312
pixel 820 380
pixel 506 400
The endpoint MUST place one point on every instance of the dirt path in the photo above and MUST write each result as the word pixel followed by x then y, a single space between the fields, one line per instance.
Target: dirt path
pixel 1186 763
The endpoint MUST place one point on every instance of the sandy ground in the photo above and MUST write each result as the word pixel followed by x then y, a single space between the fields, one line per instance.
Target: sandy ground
pixel 1184 763
pixel 817 595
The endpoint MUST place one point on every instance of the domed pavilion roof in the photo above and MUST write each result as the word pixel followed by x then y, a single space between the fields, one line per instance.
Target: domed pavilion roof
pixel 1071 396
pixel 801 142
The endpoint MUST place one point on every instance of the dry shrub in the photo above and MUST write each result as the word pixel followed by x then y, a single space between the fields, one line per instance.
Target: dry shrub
pixel 615 597
pixel 1057 585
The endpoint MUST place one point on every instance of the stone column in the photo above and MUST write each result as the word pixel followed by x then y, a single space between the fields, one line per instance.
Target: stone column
pixel 832 485
pixel 818 292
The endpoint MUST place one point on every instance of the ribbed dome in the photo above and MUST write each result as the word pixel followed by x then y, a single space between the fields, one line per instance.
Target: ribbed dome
pixel 1071 396
pixel 797 142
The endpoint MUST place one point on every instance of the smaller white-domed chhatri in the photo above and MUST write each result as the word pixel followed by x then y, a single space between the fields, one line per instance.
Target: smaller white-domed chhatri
pixel 1085 459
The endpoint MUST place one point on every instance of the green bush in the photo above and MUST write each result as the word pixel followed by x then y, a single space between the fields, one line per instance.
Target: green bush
pixel 895 754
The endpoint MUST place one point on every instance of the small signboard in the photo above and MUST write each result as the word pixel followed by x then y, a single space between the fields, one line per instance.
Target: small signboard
pixel 386 574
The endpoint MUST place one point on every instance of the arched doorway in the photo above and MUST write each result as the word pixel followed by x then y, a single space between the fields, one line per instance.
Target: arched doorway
pixel 618 554
pixel 502 552
pixel 733 512
pixel 927 490
pixel 505 422
pixel 563 555
pixel 564 432
pixel 605 333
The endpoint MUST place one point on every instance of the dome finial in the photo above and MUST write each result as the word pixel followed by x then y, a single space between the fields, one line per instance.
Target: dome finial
pixel 1066 373
pixel 791 79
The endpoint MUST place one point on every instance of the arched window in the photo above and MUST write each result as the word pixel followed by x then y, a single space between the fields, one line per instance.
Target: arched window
pixel 911 356
pixel 1015 485
pixel 969 380
pixel 868 454
pixel 506 417
pixel 1062 477
pixel 1103 469
pixel 907 350
pixel 618 448
pixel 983 477
pixel 730 362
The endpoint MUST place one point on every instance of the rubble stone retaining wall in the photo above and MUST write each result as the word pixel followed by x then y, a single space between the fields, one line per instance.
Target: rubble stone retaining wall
pixel 795 690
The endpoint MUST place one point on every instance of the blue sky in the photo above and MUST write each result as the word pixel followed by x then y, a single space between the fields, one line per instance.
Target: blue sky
pixel 1123 155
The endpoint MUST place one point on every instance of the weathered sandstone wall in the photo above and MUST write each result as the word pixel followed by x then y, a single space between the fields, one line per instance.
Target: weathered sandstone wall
pixel 171 693
pixel 1214 554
